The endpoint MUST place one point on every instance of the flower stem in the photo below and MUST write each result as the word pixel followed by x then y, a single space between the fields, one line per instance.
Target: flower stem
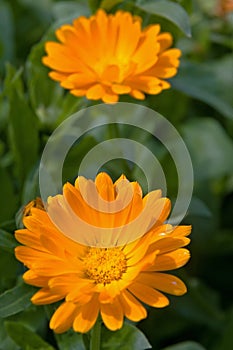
pixel 96 336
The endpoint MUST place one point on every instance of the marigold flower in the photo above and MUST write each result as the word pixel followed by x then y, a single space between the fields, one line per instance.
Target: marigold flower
pixel 112 282
pixel 109 55
pixel 224 7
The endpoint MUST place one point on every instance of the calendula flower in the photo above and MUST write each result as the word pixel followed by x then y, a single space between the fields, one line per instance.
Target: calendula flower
pixel 224 7
pixel 105 56
pixel 91 280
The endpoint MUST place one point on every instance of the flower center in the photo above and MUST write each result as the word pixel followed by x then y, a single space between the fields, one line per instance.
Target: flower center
pixel 105 265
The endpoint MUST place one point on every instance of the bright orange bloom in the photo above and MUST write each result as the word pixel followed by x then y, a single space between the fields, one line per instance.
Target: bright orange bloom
pixel 224 7
pixel 91 280
pixel 109 55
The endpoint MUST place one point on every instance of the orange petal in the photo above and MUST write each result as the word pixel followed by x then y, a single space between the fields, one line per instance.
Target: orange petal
pixel 86 316
pixel 168 244
pixel 163 282
pixel 112 315
pixel 32 278
pixel 132 308
pixel 95 92
pixel 63 317
pixel 165 41
pixel 44 296
pixel 171 261
pixel 105 187
pixel 28 238
pixel 148 295
pixel 137 94
pixel 121 89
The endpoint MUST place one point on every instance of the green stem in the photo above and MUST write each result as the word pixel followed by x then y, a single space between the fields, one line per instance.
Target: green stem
pixel 96 336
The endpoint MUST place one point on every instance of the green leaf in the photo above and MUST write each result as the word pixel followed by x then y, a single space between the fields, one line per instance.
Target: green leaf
pixel 63 9
pixel 49 101
pixel 187 345
pixel 13 77
pixel 7 192
pixel 8 279
pixel 7 241
pixel 22 126
pixel 210 82
pixel 6 343
pixel 69 341
pixel 31 186
pixel 109 4
pixel 15 300
pixel 44 93
pixel 226 341
pixel 200 305
pixel 170 11
pixel 25 337
pixel 127 338
pixel 210 148
pixel 6 34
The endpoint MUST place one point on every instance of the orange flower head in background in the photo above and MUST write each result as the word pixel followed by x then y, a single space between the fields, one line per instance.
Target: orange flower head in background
pixel 35 203
pixel 224 7
pixel 105 56
pixel 114 282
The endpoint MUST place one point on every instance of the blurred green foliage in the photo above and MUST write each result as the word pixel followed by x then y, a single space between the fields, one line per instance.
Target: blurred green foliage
pixel 200 107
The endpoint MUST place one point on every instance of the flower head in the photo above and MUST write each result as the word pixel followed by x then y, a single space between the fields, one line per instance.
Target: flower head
pixel 105 56
pixel 224 7
pixel 113 281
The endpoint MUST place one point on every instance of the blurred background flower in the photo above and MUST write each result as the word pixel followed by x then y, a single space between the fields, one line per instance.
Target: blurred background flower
pixel 104 56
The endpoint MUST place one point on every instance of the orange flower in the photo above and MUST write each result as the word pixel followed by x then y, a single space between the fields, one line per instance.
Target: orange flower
pixel 224 7
pixel 109 55
pixel 112 281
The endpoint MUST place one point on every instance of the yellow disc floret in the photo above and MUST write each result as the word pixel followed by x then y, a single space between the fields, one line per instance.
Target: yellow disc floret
pixel 104 265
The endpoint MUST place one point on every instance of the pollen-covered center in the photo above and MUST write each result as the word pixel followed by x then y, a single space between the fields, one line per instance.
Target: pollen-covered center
pixel 105 265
